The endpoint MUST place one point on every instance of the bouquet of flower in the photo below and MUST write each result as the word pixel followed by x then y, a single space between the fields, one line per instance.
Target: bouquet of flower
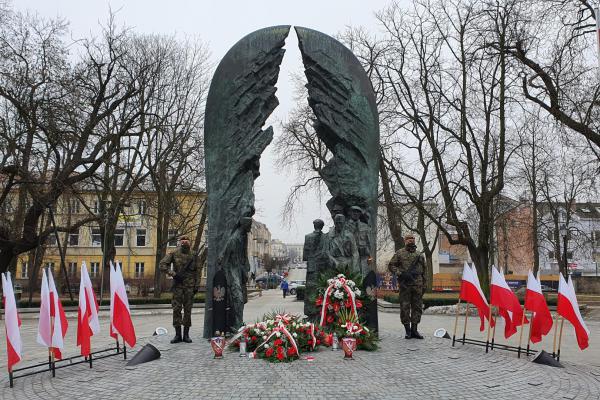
pixel 279 337
pixel 349 326
pixel 340 293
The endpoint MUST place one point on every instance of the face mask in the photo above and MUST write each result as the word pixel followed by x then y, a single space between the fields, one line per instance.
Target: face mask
pixel 411 246
pixel 185 248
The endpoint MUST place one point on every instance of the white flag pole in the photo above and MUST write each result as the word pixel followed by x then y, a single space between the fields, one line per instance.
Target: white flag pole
pixel 597 15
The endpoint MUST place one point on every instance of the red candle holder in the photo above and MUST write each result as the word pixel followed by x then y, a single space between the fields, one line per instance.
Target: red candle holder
pixel 218 344
pixel 349 346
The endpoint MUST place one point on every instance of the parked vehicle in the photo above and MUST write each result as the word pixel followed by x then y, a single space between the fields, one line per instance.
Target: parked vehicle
pixel 294 284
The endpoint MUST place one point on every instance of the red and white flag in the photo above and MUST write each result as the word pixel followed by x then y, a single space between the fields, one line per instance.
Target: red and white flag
pixel 541 323
pixel 14 346
pixel 60 319
pixel 120 316
pixel 507 302
pixel 568 308
pixel 44 335
pixel 470 291
pixel 87 316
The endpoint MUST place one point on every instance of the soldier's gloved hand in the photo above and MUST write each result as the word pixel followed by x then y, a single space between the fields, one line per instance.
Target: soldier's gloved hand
pixel 171 273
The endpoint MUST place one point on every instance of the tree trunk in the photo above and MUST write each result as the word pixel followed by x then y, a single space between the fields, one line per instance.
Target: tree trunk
pixel 392 212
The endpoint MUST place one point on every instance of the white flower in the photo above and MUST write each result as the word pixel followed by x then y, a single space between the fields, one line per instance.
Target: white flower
pixel 265 337
pixel 329 281
pixel 338 284
pixel 294 334
pixel 341 276
pixel 266 346
pixel 278 334
pixel 338 294
pixel 357 292
pixel 351 283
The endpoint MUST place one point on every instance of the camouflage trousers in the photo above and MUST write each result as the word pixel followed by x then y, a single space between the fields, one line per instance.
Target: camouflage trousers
pixel 183 299
pixel 411 304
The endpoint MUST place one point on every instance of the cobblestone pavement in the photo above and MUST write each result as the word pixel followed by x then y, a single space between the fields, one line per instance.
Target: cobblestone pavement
pixel 409 369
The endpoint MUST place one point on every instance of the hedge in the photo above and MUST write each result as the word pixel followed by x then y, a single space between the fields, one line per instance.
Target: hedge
pixel 430 300
pixel 199 298
pixel 300 290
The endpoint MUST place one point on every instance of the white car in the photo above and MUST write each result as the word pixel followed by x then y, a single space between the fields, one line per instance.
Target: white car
pixel 293 285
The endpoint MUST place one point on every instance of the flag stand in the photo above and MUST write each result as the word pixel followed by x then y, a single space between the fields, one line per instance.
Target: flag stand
pixel 555 331
pixel 63 363
pixel 456 322
pixel 529 336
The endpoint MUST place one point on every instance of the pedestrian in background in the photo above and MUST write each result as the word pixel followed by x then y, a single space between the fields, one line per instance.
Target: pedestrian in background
pixel 284 287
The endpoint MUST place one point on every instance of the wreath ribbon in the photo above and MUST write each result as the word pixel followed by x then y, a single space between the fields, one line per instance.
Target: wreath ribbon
pixel 326 300
pixel 281 328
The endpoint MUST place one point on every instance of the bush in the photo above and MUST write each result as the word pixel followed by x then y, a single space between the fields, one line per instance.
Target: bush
pixel 430 299
pixel 199 298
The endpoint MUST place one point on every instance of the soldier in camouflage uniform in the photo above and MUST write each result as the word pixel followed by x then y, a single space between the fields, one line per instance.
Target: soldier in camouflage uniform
pixel 185 283
pixel 409 266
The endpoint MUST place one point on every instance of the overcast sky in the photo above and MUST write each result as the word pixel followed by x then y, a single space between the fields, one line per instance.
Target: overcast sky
pixel 221 24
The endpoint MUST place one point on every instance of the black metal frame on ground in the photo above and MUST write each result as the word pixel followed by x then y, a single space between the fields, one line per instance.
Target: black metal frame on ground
pixel 492 345
pixel 52 365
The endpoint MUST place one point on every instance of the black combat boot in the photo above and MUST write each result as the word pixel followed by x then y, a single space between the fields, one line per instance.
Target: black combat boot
pixel 177 338
pixel 186 334
pixel 415 333
pixel 408 331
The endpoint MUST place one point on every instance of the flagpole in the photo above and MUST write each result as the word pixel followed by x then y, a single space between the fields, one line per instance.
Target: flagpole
pixel 465 327
pixel 487 342
pixel 495 316
pixel 562 322
pixel 555 332
pixel 455 322
pixel 529 336
pixel 522 328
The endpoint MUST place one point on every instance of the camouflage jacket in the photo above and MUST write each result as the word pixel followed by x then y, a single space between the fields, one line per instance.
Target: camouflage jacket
pixel 179 259
pixel 401 262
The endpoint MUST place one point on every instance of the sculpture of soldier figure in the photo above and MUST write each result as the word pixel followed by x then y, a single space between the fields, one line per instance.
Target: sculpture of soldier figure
pixel 342 246
pixel 235 264
pixel 362 235
pixel 316 255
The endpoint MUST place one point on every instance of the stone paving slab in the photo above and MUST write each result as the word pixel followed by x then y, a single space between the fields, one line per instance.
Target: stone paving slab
pixel 401 369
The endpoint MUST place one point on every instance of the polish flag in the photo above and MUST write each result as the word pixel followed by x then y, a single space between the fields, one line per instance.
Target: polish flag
pixel 87 316
pixel 60 319
pixel 568 308
pixel 535 302
pixel 14 346
pixel 44 335
pixel 507 302
pixel 470 291
pixel 120 316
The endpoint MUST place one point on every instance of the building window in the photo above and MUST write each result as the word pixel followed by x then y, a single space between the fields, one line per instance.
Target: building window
pixel 94 268
pixel 50 266
pixel 72 268
pixel 119 235
pixel 74 239
pixel 141 207
pixel 96 207
pixel 24 271
pixel 140 237
pixel 173 233
pixel 139 269
pixel 96 236
pixel 74 206
pixel 51 239
pixel 596 238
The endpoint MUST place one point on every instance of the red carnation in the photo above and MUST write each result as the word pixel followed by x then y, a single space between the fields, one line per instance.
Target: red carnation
pixel 318 342
pixel 319 301
pixel 310 342
pixel 358 304
pixel 278 342
pixel 329 340
pixel 330 319
pixel 279 350
pixel 291 351
pixel 280 356
pixel 336 306
pixel 269 352
pixel 348 303
pixel 253 338
pixel 358 341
